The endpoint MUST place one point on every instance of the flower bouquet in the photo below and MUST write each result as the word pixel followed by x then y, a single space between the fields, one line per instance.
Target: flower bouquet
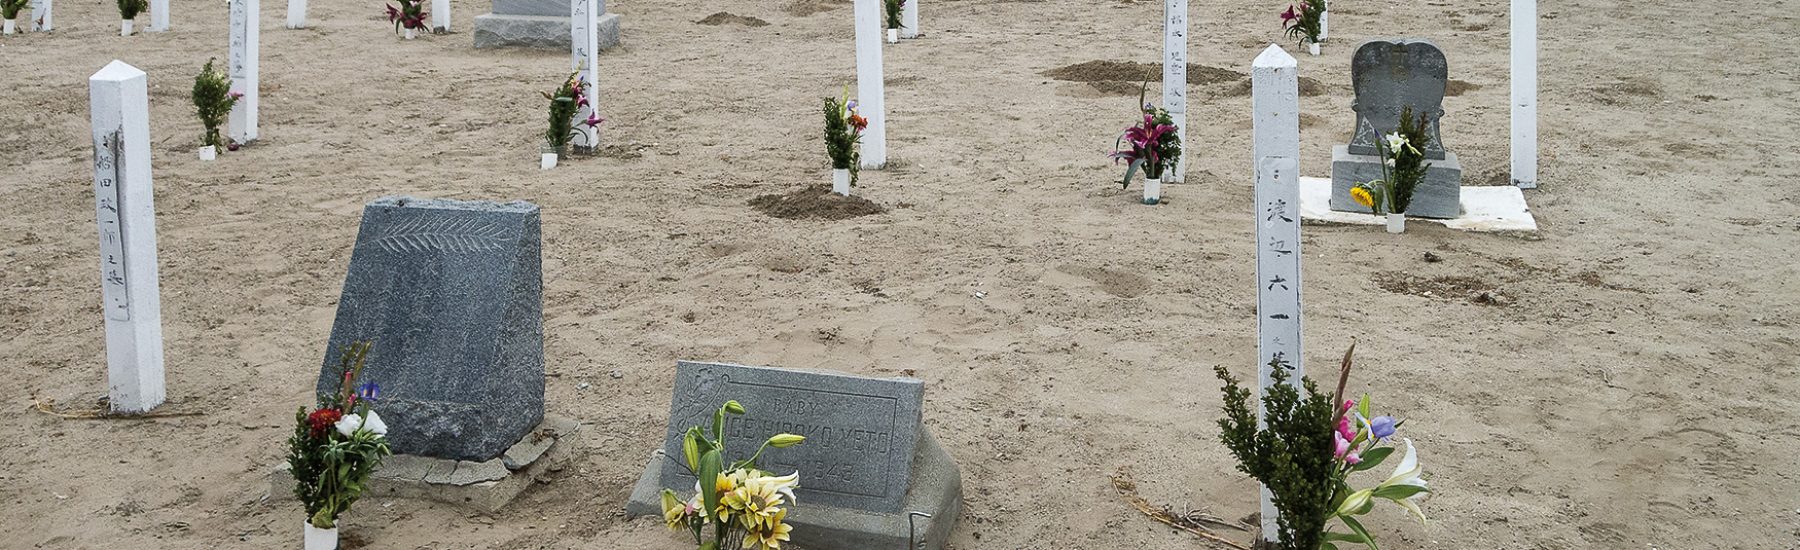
pixel 213 100
pixel 843 131
pixel 1402 168
pixel 1303 23
pixel 565 104
pixel 335 448
pixel 408 18
pixel 891 16
pixel 1307 452
pixel 1155 147
pixel 128 11
pixel 9 11
pixel 744 506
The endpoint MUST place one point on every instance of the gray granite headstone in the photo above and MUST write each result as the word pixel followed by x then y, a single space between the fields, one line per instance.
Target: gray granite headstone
pixel 537 24
pixel 451 294
pixel 1389 76
pixel 867 460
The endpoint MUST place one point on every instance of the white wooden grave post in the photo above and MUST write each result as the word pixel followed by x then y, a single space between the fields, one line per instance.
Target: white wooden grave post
pixel 244 57
pixel 1325 21
pixel 1524 93
pixel 159 16
pixel 296 18
pixel 41 16
pixel 869 93
pixel 119 103
pixel 440 15
pixel 909 19
pixel 1174 79
pixel 584 51
pixel 1275 106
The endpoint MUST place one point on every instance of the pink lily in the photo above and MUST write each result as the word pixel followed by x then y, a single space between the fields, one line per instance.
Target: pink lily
pixel 593 120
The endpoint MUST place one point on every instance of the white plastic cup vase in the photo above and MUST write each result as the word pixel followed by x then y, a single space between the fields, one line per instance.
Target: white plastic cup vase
pixel 840 181
pixel 209 152
pixel 1313 47
pixel 1152 191
pixel 12 26
pixel 1396 223
pixel 125 27
pixel 893 36
pixel 410 33
pixel 321 539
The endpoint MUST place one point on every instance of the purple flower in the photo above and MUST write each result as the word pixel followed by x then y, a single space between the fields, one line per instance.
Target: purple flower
pixel 1382 427
pixel 593 120
pixel 368 391
pixel 850 106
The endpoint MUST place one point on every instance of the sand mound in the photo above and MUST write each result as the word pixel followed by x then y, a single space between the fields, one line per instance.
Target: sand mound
pixel 728 18
pixel 814 203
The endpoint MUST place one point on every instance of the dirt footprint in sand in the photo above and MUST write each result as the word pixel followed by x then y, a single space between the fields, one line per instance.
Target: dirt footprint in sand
pixel 1111 281
pixel 728 18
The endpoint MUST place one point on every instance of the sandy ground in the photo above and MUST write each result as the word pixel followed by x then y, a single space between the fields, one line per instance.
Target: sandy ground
pixel 1632 387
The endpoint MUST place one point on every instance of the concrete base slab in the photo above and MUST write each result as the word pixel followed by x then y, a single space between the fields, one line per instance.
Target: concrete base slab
pixel 495 30
pixel 936 490
pixel 485 486
pixel 1486 209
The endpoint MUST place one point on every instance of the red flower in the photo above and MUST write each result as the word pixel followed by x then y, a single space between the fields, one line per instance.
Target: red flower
pixel 858 122
pixel 321 421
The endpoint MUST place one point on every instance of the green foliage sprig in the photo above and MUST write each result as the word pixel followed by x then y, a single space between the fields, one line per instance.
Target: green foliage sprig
pixel 9 9
pixel 129 9
pixel 336 447
pixel 1291 455
pixel 1302 23
pixel 1408 161
pixel 563 105
pixel 213 101
pixel 843 132
pixel 891 11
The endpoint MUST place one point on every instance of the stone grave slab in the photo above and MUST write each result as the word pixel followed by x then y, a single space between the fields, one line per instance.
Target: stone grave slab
pixel 1484 209
pixel 866 464
pixel 1388 76
pixel 537 24
pixel 451 294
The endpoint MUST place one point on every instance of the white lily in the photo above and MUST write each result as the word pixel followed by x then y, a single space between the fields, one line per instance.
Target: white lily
pixel 1407 474
pixel 1394 142
pixel 786 484
pixel 349 424
pixel 374 424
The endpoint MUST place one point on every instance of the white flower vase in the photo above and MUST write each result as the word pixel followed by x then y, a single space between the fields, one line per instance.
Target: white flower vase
pixel 411 34
pixel 1152 191
pixel 1313 47
pixel 209 152
pixel 1396 223
pixel 12 26
pixel 124 27
pixel 840 181
pixel 547 162
pixel 893 36
pixel 321 539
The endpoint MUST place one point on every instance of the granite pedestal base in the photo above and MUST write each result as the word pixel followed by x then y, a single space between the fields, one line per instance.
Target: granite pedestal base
pixel 497 30
pixel 1438 196
pixel 485 486
pixel 936 489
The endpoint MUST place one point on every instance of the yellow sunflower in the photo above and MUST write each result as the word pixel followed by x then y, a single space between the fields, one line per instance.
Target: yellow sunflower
pixel 1362 196
pixel 770 534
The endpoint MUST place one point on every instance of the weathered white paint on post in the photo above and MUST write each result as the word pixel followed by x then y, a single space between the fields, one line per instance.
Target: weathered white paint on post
pixel 296 18
pixel 159 16
pixel 869 85
pixel 245 55
pixel 1174 78
pixel 41 16
pixel 909 19
pixel 119 106
pixel 1325 22
pixel 440 15
pixel 584 48
pixel 1275 106
pixel 1524 93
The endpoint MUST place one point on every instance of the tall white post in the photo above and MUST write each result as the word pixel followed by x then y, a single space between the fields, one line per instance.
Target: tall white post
pixel 296 18
pixel 584 50
pixel 119 105
pixel 1524 93
pixel 1275 106
pixel 244 57
pixel 41 16
pixel 440 15
pixel 1174 79
pixel 159 16
pixel 1325 22
pixel 869 84
pixel 909 19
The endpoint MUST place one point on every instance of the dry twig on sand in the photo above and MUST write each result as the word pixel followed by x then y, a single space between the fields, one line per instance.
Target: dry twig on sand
pixel 48 406
pixel 1192 522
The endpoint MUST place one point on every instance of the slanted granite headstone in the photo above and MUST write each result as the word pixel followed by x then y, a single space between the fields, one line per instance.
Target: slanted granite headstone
pixel 866 464
pixel 538 24
pixel 1389 76
pixel 451 293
